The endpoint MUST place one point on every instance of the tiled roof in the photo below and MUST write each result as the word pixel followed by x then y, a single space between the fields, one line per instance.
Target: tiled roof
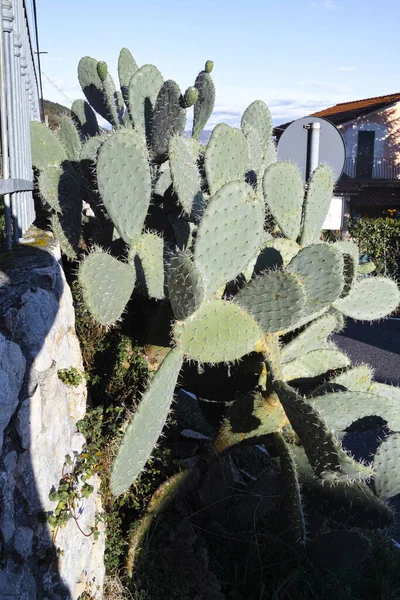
pixel 381 197
pixel 347 111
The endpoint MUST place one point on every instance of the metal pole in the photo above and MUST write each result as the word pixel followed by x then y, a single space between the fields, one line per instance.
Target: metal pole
pixel 6 28
pixel 17 115
pixel 313 135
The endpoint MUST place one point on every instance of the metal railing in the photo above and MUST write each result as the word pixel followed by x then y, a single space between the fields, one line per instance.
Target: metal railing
pixel 19 104
pixel 378 168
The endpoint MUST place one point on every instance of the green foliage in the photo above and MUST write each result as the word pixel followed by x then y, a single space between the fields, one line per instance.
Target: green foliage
pixel 71 376
pixel 380 239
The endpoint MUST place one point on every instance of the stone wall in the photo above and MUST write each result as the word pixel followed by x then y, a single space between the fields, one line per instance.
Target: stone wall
pixel 38 415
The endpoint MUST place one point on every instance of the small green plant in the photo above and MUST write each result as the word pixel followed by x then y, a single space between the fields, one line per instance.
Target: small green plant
pixel 72 489
pixel 71 376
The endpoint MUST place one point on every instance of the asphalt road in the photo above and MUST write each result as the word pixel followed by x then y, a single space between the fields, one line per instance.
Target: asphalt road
pixel 377 344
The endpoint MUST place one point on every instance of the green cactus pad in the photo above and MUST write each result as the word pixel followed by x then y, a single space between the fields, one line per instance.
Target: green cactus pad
pixel 275 300
pixel 258 117
pixel 320 268
pixel 225 157
pixel 126 68
pixel 284 194
pixel 150 251
pixel 84 119
pixel 341 409
pixel 45 146
pixel 69 137
pixel 209 66
pixel 326 457
pixel 184 232
pixel 60 187
pixel 254 150
pixel 146 426
pixel 229 235
pixel 107 285
pixel 102 70
pixel 387 391
pixel 370 299
pixel 317 203
pixel 123 176
pixel 311 337
pixel 185 174
pixel 164 180
pixel 66 227
pixel 92 86
pixel 185 286
pixel 387 467
pixel 314 363
pixel 349 502
pixel 144 86
pixel 292 501
pixel 340 550
pixel 350 258
pixel 205 104
pixel 219 331
pixel 190 97
pixel 355 379
pixel 169 118
pixel 276 253
pixel 91 148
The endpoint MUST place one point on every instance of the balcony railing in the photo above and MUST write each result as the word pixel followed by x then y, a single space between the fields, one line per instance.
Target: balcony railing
pixel 19 104
pixel 377 168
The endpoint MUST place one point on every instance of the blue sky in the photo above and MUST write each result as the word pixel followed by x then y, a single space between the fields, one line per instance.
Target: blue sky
pixel 299 56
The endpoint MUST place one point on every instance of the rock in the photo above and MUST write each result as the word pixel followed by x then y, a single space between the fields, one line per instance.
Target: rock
pixel 38 416
pixel 12 371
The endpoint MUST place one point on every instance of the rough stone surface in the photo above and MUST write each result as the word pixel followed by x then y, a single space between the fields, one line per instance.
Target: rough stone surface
pixel 38 415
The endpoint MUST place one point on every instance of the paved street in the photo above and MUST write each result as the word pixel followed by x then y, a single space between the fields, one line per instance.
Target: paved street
pixel 377 344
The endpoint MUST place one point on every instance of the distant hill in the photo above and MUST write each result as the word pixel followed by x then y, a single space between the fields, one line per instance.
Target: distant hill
pixel 53 111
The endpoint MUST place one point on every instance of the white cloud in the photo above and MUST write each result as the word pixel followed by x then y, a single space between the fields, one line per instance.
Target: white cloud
pixel 327 4
pixel 345 68
pixel 330 86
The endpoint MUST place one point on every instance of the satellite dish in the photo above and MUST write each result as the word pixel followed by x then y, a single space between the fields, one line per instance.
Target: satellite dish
pixel 295 146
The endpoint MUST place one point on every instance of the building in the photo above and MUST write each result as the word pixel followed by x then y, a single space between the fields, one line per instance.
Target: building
pixel 370 183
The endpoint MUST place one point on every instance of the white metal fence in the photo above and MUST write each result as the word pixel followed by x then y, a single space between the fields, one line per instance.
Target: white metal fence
pixel 19 104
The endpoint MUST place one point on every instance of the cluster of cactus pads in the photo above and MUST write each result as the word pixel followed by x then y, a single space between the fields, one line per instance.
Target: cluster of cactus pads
pixel 235 284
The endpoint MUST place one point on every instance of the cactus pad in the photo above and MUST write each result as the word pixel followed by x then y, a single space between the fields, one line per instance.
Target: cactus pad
pixel 284 195
pixel 311 337
pixel 169 118
pixel 258 117
pixel 317 203
pixel 69 137
pixel 147 424
pixel 341 409
pixel 46 147
pixel 185 286
pixel 60 187
pixel 107 285
pixel 123 176
pixel 275 300
pixel 370 299
pixel 342 549
pixel 205 103
pixel 323 451
pixel 387 467
pixel 144 86
pixel 225 157
pixel 229 235
pixel 320 268
pixel 219 331
pixel 66 227
pixel 84 118
pixel 355 379
pixel 126 68
pixel 277 252
pixel 185 174
pixel 150 252
pixel 314 363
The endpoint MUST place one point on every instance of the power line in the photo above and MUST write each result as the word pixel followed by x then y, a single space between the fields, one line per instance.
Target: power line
pixel 56 87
